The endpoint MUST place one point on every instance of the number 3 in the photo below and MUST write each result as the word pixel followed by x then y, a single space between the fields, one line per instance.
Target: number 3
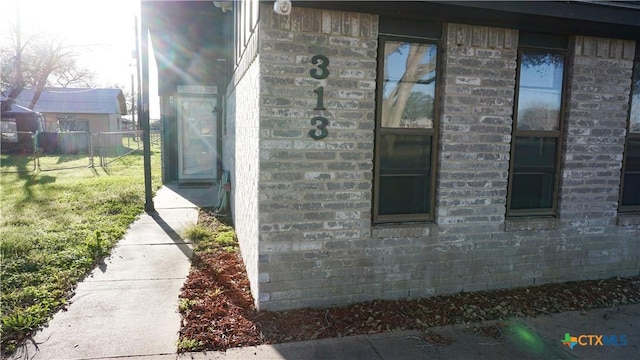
pixel 323 63
pixel 322 126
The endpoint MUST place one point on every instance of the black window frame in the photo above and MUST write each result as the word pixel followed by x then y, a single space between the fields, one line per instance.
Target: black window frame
pixel 633 208
pixel 541 44
pixel 433 132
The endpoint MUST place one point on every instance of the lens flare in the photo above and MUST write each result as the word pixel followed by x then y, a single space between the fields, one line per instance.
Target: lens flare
pixel 526 337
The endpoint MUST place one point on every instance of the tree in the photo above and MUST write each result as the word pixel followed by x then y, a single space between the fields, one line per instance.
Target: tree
pixel 538 115
pixel 418 110
pixel 130 97
pixel 38 61
pixel 395 102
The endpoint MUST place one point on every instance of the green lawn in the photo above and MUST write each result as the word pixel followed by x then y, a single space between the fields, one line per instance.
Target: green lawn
pixel 54 227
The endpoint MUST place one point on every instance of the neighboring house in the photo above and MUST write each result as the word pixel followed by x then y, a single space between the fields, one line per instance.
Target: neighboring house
pixel 79 109
pixel 19 128
pixel 385 150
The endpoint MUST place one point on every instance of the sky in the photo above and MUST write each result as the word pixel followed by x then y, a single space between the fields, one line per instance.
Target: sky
pixel 103 30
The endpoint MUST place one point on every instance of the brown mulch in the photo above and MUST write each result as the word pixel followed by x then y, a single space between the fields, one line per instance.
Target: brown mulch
pixel 222 314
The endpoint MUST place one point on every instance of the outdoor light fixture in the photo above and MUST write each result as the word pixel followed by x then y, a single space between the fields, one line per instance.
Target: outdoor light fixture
pixel 224 5
pixel 282 7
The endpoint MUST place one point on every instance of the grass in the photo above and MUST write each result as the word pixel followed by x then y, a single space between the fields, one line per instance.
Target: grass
pixel 198 233
pixel 55 226
pixel 185 345
pixel 215 233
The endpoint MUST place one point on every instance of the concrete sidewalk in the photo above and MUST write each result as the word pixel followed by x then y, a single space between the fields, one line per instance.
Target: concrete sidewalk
pixel 127 306
pixel 523 339
pixel 127 309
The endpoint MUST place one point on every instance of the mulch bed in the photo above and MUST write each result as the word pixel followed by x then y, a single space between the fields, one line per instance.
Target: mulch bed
pixel 223 315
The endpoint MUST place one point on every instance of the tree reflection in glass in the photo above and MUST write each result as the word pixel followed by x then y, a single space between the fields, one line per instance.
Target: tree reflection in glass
pixel 540 91
pixel 409 85
pixel 634 116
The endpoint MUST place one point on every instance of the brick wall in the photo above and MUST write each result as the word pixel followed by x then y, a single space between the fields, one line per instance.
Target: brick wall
pixel 241 158
pixel 480 73
pixel 600 82
pixel 315 195
pixel 312 224
pixel 479 83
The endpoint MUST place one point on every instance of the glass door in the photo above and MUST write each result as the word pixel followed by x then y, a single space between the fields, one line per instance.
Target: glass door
pixel 197 146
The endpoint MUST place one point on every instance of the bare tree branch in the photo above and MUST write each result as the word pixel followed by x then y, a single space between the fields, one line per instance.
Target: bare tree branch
pixel 38 62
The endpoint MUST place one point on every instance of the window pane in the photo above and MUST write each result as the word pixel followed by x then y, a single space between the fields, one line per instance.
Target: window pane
pixel 634 116
pixel 409 85
pixel 403 195
pixel 405 162
pixel 404 153
pixel 533 173
pixel 631 190
pixel 9 130
pixel 540 91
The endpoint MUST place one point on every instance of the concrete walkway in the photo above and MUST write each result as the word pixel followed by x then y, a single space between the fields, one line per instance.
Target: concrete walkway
pixel 128 305
pixel 524 339
pixel 127 309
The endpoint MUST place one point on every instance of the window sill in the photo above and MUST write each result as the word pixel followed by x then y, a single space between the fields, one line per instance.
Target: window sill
pixel 530 224
pixel 629 219
pixel 403 230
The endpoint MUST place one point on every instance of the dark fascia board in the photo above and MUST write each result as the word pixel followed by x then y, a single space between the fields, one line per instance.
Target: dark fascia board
pixel 605 12
pixel 578 18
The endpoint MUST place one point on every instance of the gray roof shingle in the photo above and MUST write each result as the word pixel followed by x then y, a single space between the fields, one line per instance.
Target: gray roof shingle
pixel 76 100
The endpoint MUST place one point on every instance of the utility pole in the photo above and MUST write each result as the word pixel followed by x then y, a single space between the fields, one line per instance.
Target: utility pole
pixel 143 114
pixel 133 109
pixel 138 105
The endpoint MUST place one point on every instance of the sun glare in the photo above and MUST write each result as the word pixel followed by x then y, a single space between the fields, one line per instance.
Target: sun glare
pixel 103 30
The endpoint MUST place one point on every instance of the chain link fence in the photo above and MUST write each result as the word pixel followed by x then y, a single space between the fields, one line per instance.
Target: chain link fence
pixel 23 143
pixel 112 146
pixel 50 151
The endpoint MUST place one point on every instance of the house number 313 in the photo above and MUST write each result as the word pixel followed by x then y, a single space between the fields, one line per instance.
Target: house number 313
pixel 321 71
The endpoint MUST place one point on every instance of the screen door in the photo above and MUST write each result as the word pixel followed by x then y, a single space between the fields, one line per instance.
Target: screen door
pixel 197 138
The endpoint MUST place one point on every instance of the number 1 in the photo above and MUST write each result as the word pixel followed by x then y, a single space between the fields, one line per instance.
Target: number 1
pixel 320 104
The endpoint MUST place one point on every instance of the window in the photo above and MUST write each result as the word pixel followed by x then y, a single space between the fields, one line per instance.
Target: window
pixel 9 130
pixel 405 131
pixel 630 194
pixel 536 140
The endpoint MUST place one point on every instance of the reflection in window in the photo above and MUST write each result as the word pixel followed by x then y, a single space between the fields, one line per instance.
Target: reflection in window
pixel 9 130
pixel 534 170
pixel 634 115
pixel 630 194
pixel 405 135
pixel 409 85
pixel 540 91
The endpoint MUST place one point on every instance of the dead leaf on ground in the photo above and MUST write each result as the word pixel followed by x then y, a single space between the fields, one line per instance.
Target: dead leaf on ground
pixel 222 314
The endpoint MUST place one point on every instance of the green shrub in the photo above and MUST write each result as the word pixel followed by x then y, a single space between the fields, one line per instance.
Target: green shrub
pixel 198 233
pixel 226 238
pixel 185 345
